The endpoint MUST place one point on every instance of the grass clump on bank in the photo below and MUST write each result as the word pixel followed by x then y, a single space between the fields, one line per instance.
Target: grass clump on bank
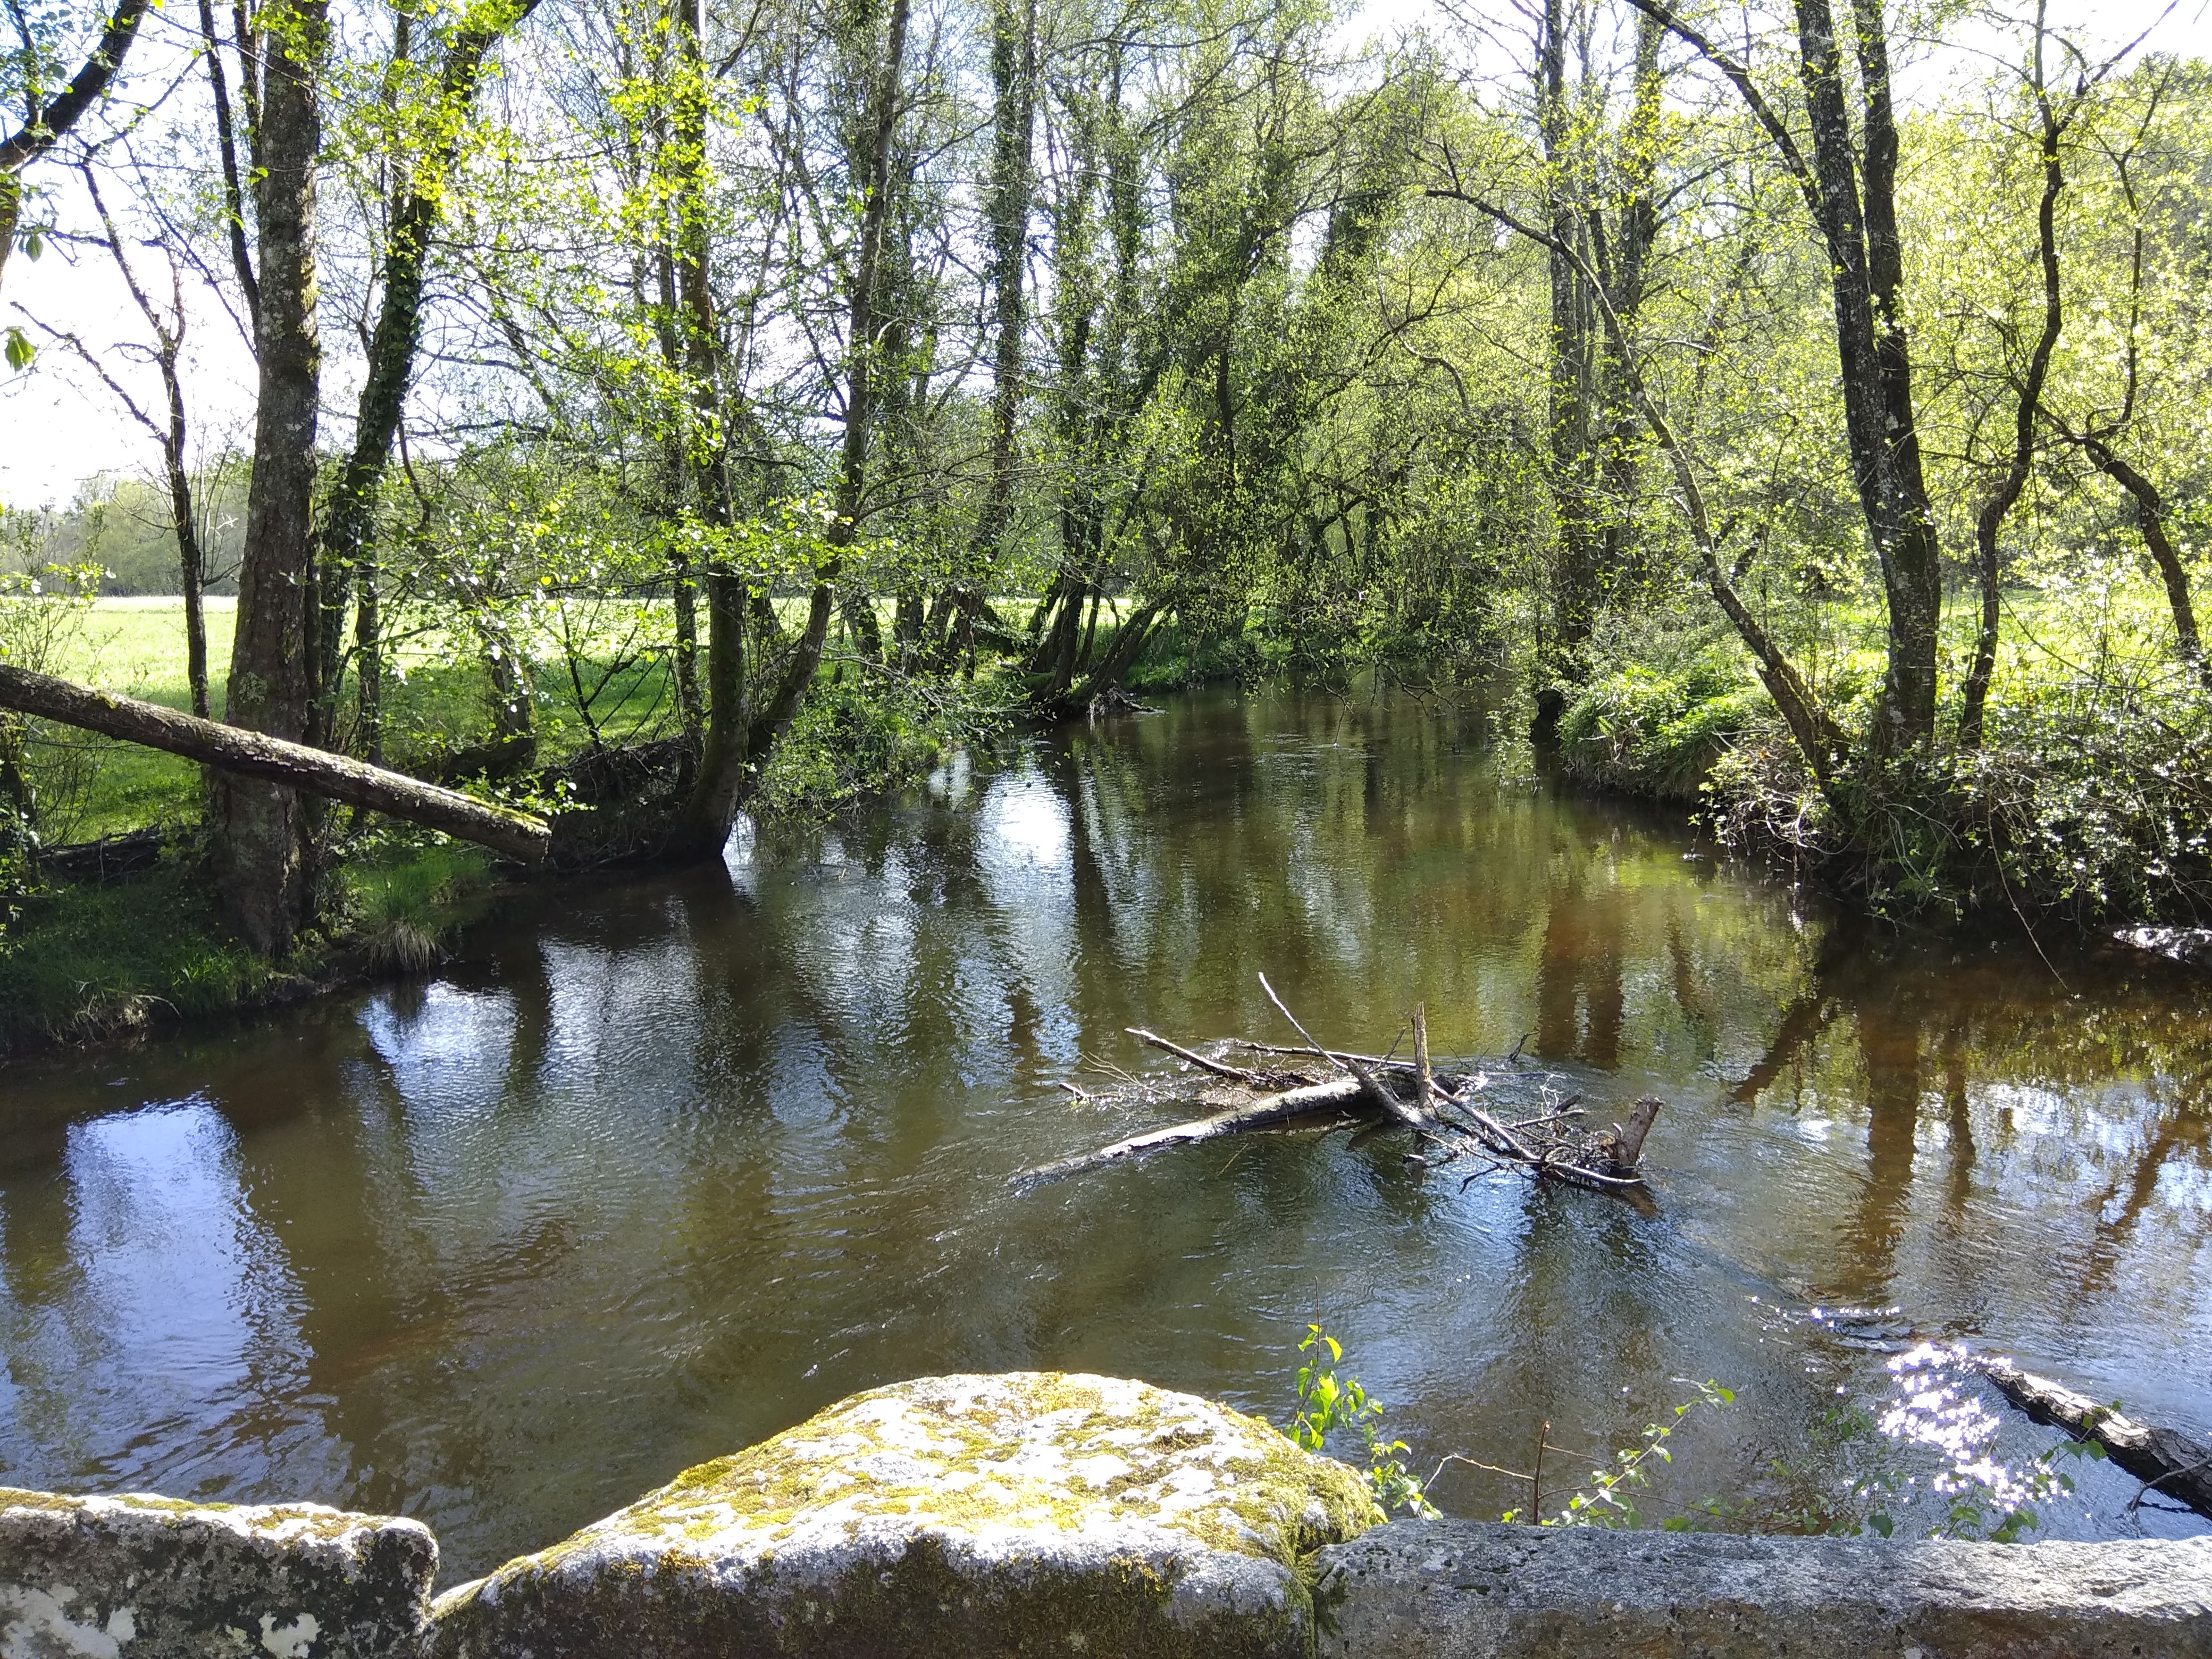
pixel 400 902
pixel 80 961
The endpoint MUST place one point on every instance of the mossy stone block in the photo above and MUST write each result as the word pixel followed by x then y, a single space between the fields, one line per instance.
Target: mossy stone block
pixel 145 1578
pixel 1030 1513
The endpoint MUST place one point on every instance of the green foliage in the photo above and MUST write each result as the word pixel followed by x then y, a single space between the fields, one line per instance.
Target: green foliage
pixel 1609 1497
pixel 1329 1404
pixel 1657 724
pixel 80 963
pixel 864 730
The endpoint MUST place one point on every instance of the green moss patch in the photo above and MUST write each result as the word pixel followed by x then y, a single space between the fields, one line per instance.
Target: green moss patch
pixel 1030 1513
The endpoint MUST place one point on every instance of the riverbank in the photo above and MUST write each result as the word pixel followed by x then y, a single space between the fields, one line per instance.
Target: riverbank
pixel 2086 805
pixel 90 962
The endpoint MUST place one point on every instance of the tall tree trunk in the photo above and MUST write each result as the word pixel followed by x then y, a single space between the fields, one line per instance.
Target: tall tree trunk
pixel 262 871
pixel 171 432
pixel 724 762
pixel 720 792
pixel 684 576
pixel 1575 572
pixel 368 660
pixel 234 194
pixel 1634 235
pixel 1866 271
pixel 1010 194
pixel 192 569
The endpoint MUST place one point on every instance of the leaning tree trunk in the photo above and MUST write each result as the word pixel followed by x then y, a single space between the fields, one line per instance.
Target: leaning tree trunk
pixel 264 875
pixel 240 754
pixel 2150 519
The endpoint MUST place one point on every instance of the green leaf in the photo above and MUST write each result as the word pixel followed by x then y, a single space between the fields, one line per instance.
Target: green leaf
pixel 19 351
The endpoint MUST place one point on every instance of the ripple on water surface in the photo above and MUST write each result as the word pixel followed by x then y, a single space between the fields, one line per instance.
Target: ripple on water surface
pixel 672 1162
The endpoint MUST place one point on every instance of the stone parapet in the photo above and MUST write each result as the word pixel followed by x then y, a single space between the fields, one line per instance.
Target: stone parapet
pixel 1053 1516
pixel 145 1578
pixel 1469 1589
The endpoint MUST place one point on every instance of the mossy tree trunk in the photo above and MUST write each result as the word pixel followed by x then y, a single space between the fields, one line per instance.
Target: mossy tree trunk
pixel 264 875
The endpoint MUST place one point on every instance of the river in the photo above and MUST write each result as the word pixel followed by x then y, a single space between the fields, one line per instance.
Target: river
pixel 669 1162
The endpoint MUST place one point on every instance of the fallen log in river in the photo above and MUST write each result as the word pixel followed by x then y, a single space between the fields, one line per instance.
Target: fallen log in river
pixel 1445 1112
pixel 2165 1460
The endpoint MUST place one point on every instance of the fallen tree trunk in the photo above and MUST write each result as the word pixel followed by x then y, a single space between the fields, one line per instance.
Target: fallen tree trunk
pixel 2163 1460
pixel 231 749
pixel 1337 1095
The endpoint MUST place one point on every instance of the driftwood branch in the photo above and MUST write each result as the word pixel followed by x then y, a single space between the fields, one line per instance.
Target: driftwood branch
pixel 1440 1110
pixel 1337 1096
pixel 2163 1459
pixel 1411 1117
pixel 231 748
pixel 1234 1073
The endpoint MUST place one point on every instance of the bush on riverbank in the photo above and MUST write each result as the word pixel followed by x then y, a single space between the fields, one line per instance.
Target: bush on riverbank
pixel 2088 801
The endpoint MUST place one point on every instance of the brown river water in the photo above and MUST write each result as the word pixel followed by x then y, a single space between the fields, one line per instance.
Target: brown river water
pixel 670 1161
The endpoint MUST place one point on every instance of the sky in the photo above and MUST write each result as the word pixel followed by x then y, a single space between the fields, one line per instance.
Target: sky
pixel 59 425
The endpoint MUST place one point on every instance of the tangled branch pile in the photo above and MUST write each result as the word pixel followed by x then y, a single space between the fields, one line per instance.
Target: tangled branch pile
pixel 1486 1120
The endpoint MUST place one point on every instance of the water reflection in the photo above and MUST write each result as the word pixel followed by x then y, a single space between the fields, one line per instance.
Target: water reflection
pixel 674 1161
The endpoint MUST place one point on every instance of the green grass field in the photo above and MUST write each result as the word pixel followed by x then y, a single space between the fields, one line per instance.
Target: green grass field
pixel 599 670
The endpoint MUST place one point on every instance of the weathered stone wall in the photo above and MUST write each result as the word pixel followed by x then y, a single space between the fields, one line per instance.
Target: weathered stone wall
pixel 1027 1514
pixel 140 1577
pixel 1053 1515
pixel 1465 1589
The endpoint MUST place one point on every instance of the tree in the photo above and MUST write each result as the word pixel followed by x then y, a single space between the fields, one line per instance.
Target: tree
pixel 1849 186
pixel 46 122
pixel 263 866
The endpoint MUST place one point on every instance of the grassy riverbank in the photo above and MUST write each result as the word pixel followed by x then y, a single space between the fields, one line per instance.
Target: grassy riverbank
pixel 80 961
pixel 85 961
pixel 2088 802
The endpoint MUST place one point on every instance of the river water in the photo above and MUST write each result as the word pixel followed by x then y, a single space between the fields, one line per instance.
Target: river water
pixel 671 1162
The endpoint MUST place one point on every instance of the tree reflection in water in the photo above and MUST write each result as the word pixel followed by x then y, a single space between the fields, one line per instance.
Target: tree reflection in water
pixel 672 1161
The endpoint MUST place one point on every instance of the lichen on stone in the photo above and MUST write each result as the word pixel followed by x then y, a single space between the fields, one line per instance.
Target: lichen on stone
pixel 1068 1513
pixel 144 1576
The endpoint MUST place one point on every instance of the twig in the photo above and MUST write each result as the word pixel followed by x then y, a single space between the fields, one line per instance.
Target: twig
pixel 1453 1457
pixel 1382 1096
pixel 1234 1073
pixel 1424 1082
